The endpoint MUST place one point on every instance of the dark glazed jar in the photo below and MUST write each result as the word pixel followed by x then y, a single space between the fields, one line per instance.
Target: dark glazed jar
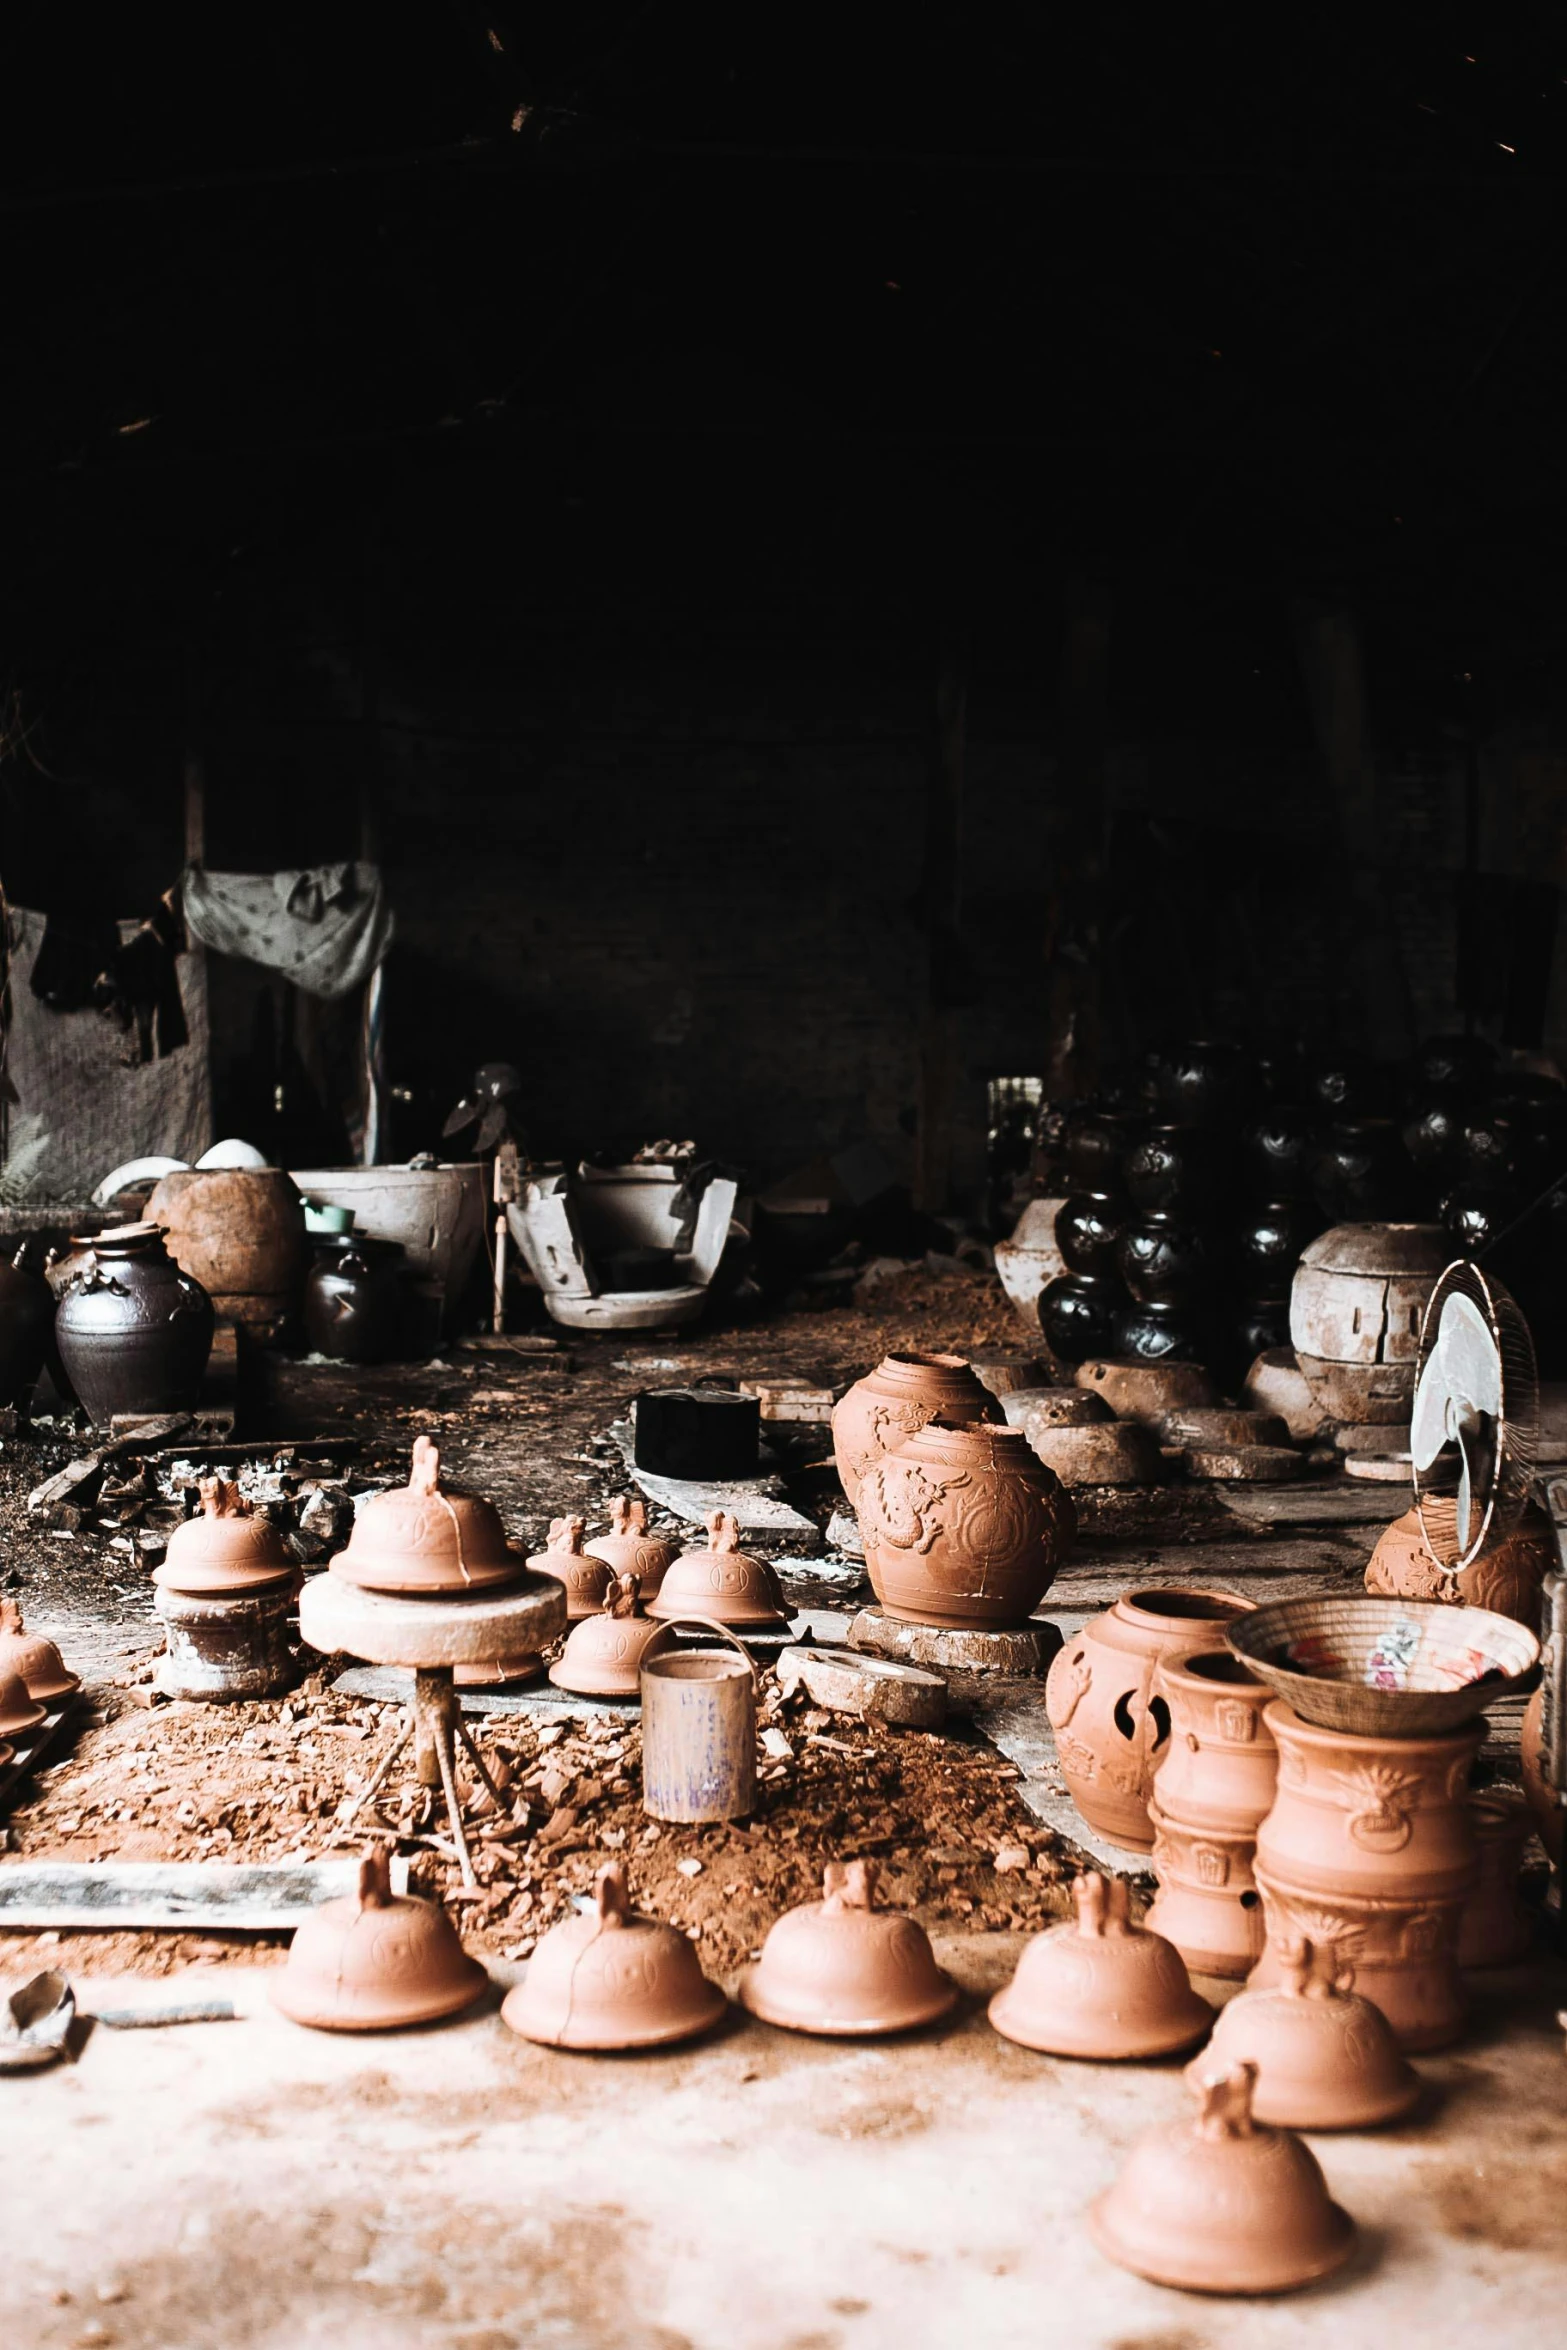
pixel 1077 1314
pixel 1162 1260
pixel 1156 1334
pixel 1093 1144
pixel 1355 1172
pixel 1201 1084
pixel 1168 1168
pixel 1459 1066
pixel 26 1319
pixel 134 1332
pixel 1344 1085
pixel 1279 1144
pixel 1432 1130
pixel 1088 1225
pixel 1268 1245
pixel 1489 1148
pixel 1477 1214
pixel 1262 1324
pixel 355 1305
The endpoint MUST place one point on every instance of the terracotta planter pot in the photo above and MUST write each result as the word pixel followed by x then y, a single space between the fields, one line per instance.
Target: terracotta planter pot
pixel 1507 1579
pixel 1372 1817
pixel 891 1403
pixel 1112 1730
pixel 1401 1952
pixel 1220 1766
pixel 240 1232
pixel 1550 1819
pixel 963 1526
pixel 1496 1929
pixel 1207 1903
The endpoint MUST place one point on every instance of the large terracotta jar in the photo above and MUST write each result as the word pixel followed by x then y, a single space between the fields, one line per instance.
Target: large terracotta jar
pixel 1213 1788
pixel 964 1526
pixel 240 1232
pixel 892 1402
pixel 1506 1578
pixel 1370 1848
pixel 1112 1728
pixel 134 1332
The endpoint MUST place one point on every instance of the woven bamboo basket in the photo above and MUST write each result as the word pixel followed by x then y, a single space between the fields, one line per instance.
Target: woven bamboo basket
pixel 1385 1668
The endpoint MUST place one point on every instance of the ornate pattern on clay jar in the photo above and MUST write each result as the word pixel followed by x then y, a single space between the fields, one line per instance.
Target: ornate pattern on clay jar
pixel 1380 1817
pixel 1506 1578
pixel 893 1402
pixel 964 1526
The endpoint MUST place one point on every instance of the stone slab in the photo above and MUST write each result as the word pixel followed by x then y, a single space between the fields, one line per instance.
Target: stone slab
pixel 1025 1650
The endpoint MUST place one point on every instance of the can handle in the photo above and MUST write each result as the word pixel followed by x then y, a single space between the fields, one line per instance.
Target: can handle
pixel 662 1639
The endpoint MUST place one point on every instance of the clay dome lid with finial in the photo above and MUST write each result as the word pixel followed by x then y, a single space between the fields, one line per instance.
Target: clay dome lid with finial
pixel 1101 1987
pixel 630 1549
pixel 1221 2203
pixel 36 1661
pixel 1325 2058
pixel 722 1583
pixel 428 1538
pixel 374 1960
pixel 18 1712
pixel 841 1965
pixel 610 1978
pixel 586 1578
pixel 603 1655
pixel 225 1550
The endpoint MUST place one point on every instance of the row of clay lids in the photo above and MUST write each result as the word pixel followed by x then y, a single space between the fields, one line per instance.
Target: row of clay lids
pixel 32 1679
pixel 719 1581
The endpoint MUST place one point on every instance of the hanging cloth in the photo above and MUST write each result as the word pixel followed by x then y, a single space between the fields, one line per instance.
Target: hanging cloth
pixel 326 928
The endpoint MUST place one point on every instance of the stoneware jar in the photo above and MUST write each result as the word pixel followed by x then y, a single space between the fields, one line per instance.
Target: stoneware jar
pixel 1101 1987
pixel 1325 2057
pixel 26 1319
pixel 356 1304
pixel 1112 1729
pixel 963 1526
pixel 587 1579
pixel 134 1332
pixel 1203 1082
pixel 375 1960
pixel 629 1549
pixel 613 1979
pixel 1280 1144
pixel 892 1402
pixel 1162 1259
pixel 1161 1331
pixel 1089 1229
pixel 842 1966
pixel 1077 1314
pixel 1168 1168
pixel 1507 1577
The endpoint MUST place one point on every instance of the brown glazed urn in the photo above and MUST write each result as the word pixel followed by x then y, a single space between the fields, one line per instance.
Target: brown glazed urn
pixel 375 1960
pixel 225 1549
pixel 1112 1728
pixel 1496 1929
pixel 963 1527
pixel 1550 1817
pixel 1223 2203
pixel 133 1330
pixel 629 1549
pixel 587 1579
pixel 613 1979
pixel 1326 2058
pixel 841 1966
pixel 1507 1578
pixel 891 1403
pixel 427 1538
pixel 1101 1988
pixel 19 1712
pixel 722 1584
pixel 35 1661
pixel 603 1655
pixel 240 1232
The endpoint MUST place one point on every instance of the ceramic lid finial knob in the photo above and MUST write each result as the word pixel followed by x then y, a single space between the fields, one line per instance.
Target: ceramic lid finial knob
pixel 1103 1905
pixel 567 1533
pixel 424 1475
pixel 1224 2102
pixel 627 1517
pixel 219 1499
pixel 612 1895
pixel 848 1884
pixel 375 1881
pixel 624 1596
pixel 723 1530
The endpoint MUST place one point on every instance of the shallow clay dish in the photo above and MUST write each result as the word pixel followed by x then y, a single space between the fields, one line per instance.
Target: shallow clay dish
pixel 1325 2058
pixel 1222 2203
pixel 225 1549
pixel 1384 1668
pixel 1101 1988
pixel 36 1661
pixel 425 1537
pixel 613 1979
pixel 722 1583
pixel 629 1549
pixel 586 1578
pixel 841 1966
pixel 603 1656
pixel 375 1960
pixel 18 1711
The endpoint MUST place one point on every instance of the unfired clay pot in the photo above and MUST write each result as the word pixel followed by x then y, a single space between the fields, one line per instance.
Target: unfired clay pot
pixel 1506 1578
pixel 1111 1727
pixel 1550 1818
pixel 1325 2057
pixel 722 1584
pixel 240 1232
pixel 603 1656
pixel 427 1537
pixel 1223 2204
pixel 375 1960
pixel 629 1549
pixel 963 1526
pixel 225 1549
pixel 841 1966
pixel 35 1661
pixel 1214 1786
pixel 587 1579
pixel 890 1403
pixel 1101 1988
pixel 613 1979
pixel 1208 1904
pixel 18 1711
pixel 1496 1929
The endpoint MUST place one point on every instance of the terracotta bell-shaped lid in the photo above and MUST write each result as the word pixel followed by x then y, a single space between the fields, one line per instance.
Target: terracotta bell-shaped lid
pixel 1102 1987
pixel 225 1549
pixel 629 1549
pixel 1221 2203
pixel 841 1965
pixel 586 1578
pixel 613 1979
pixel 18 1711
pixel 1325 2058
pixel 603 1655
pixel 374 1960
pixel 722 1584
pixel 36 1661
pixel 428 1539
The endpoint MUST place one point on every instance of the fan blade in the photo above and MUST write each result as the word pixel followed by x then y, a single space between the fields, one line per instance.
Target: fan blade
pixel 464 1115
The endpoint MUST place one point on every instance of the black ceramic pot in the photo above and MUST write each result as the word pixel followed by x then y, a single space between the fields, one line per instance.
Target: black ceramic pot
pixel 26 1320
pixel 355 1306
pixel 1162 1259
pixel 1537 1111
pixel 1093 1144
pixel 1172 1166
pixel 1268 1243
pixel 1431 1132
pixel 1157 1334
pixel 1356 1171
pixel 1202 1083
pixel 1488 1148
pixel 1261 1324
pixel 134 1332
pixel 1088 1225
pixel 1345 1085
pixel 1477 1214
pixel 1456 1065
pixel 1077 1314
pixel 1279 1145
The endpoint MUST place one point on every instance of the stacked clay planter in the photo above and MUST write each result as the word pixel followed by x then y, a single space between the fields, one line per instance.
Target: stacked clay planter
pixel 963 1527
pixel 1507 1577
pixel 1214 1788
pixel 893 1402
pixel 1370 1851
pixel 1112 1728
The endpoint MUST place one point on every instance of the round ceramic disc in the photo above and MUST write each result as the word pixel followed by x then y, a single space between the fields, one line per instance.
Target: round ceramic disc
pixel 1201 2277
pixel 941 2003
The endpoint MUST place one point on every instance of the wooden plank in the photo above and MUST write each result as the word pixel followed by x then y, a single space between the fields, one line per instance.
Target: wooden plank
pixel 219 1896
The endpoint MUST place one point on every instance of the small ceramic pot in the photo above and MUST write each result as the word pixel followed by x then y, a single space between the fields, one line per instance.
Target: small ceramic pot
pixel 613 1979
pixel 1459 1066
pixel 1170 1168
pixel 1476 1215
pixel 26 1321
pixel 1279 1145
pixel 427 1537
pixel 1496 1929
pixel 355 1307
pixel 721 1584
pixel 1507 1579
pixel 1089 1229
pixel 1207 1905
pixel 1343 1084
pixel 586 1576
pixel 1268 1245
pixel 1077 1315
pixel 374 1961
pixel 1101 1988
pixel 1112 1729
pixel 1220 1764
pixel 842 1967
pixel 603 1655
pixel 1202 1083
pixel 1162 1259
pixel 1489 1149
pixel 629 1549
pixel 963 1526
pixel 240 1232
pixel 1431 1132
pixel 1355 1171
pixel 134 1332
pixel 35 1661
pixel 1325 2058
pixel 1157 1333
pixel 1261 1327
pixel 1094 1144
pixel 893 1401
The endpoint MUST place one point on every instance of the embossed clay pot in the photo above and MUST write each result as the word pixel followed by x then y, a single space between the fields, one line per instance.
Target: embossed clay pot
pixel 1101 1987
pixel 1268 1245
pixel 428 1537
pixel 890 1403
pixel 722 1583
pixel 963 1526
pixel 1162 1259
pixel 629 1549
pixel 1223 2204
pixel 1112 1729
pixel 35 1661
pixel 1220 1765
pixel 1496 1929
pixel 603 1655
pixel 1207 1904
pixel 375 1960
pixel 1325 2057
pixel 1279 1143
pixel 842 1967
pixel 1202 1082
pixel 1168 1168
pixel 134 1332
pixel 613 1979
pixel 586 1577
pixel 1507 1578
pixel 1161 1331
pixel 1550 1818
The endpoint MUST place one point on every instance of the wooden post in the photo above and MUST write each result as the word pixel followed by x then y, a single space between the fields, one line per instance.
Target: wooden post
pixel 941 899
pixel 373 1037
pixel 1073 909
